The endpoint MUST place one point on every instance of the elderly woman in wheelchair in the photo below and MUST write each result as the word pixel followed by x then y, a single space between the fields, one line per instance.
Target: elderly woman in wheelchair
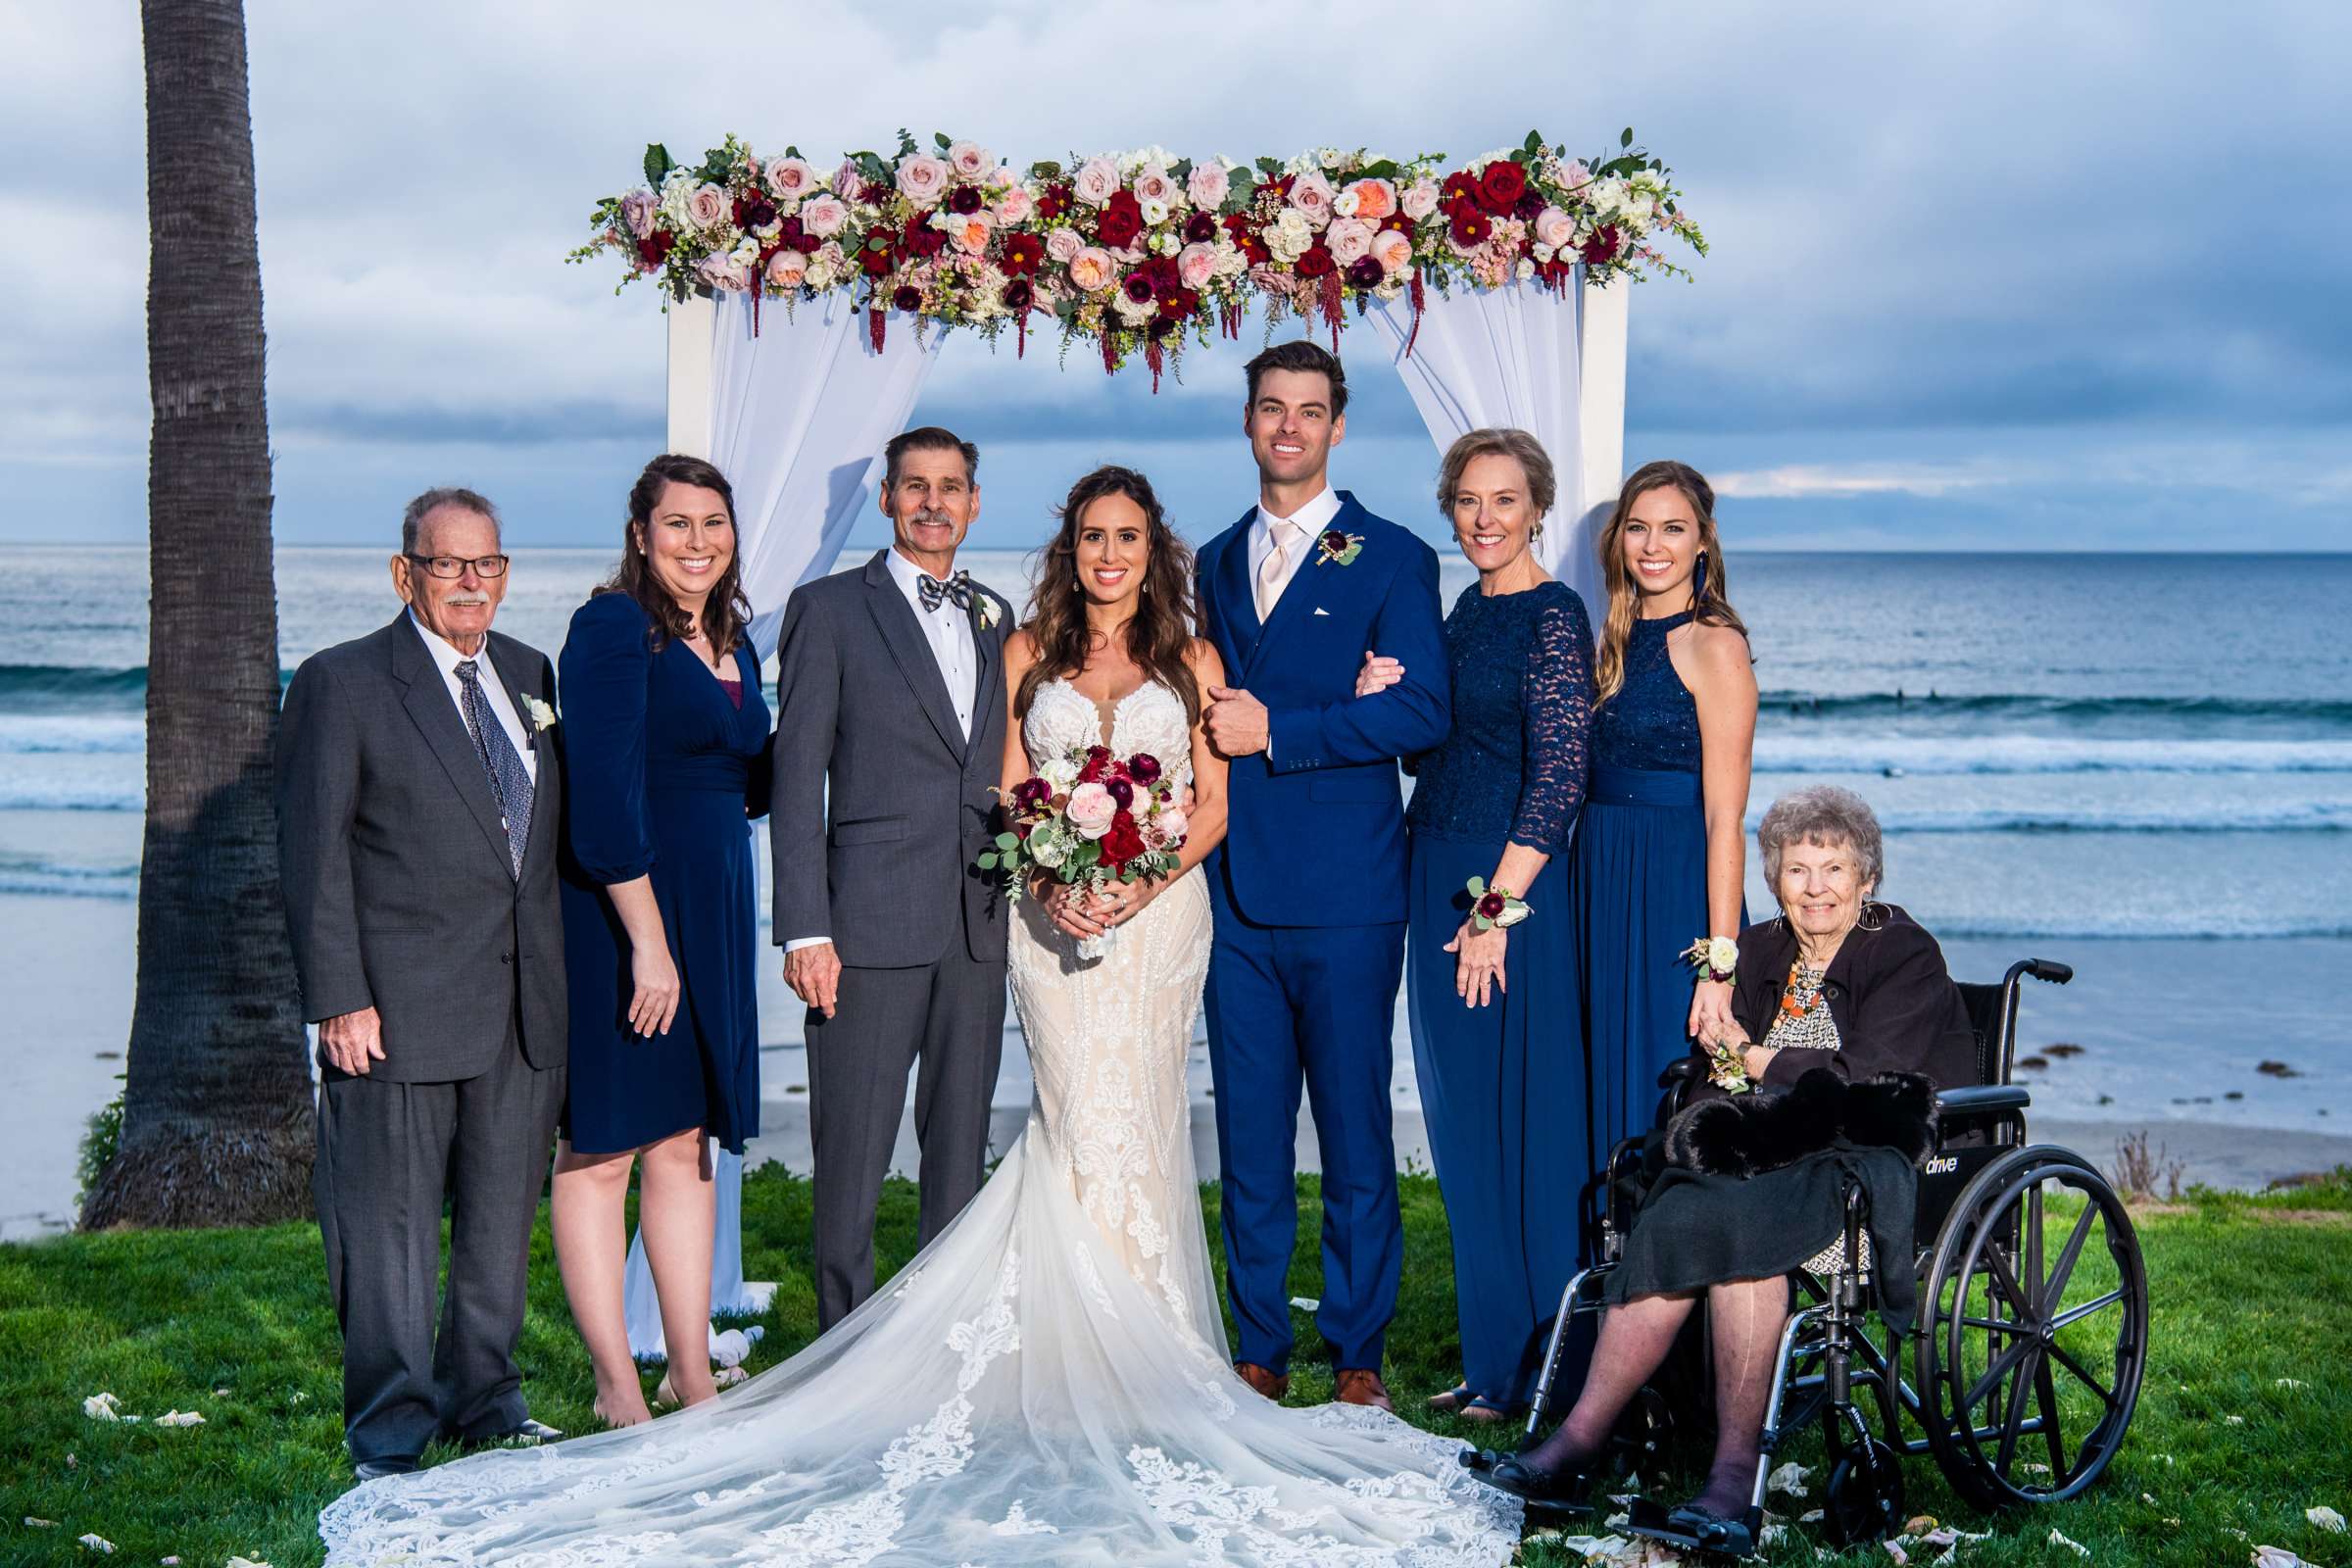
pixel 1794 1147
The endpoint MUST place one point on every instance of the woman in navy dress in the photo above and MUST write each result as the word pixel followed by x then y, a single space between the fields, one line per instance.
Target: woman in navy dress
pixel 1658 858
pixel 664 762
pixel 1494 1013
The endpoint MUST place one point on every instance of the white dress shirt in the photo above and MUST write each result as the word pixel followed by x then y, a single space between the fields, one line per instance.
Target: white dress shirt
pixel 447 659
pixel 1313 518
pixel 948 631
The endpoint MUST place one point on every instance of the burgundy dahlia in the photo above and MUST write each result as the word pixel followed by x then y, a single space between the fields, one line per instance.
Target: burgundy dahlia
pixel 1022 254
pixel 907 297
pixel 1471 227
pixel 1143 768
pixel 964 199
pixel 1365 272
pixel 1601 246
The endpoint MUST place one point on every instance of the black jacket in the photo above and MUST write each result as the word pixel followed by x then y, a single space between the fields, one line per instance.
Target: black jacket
pixel 1894 1001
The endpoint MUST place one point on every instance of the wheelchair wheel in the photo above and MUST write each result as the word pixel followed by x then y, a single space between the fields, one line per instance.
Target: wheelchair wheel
pixel 1864 1500
pixel 2034 1331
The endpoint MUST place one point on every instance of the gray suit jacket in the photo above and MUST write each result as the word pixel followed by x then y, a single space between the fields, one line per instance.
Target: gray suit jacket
pixel 400 888
pixel 880 805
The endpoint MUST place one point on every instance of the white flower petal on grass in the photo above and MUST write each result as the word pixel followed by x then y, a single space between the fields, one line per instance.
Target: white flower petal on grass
pixel 2233 1420
pixel 727 1377
pixel 2290 1383
pixel 1902 1558
pixel 245 1563
pixel 1811 1516
pixel 179 1418
pixel 1788 1478
pixel 98 1544
pixel 1306 1303
pixel 2276 1557
pixel 2074 1547
pixel 30 1523
pixel 2326 1518
pixel 102 1407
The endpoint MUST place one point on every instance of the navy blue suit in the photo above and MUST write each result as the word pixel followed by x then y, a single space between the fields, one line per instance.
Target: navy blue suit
pixel 1309 895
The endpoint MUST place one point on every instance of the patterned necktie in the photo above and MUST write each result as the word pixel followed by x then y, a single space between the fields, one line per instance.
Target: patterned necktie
pixel 510 780
pixel 932 590
pixel 1269 576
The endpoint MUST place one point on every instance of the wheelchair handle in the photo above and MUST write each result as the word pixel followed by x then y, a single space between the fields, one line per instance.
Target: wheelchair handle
pixel 2049 969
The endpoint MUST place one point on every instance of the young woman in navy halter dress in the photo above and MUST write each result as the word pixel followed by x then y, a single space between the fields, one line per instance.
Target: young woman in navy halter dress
pixel 1658 856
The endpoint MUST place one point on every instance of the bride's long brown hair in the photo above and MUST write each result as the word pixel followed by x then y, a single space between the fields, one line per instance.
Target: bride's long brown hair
pixel 1159 639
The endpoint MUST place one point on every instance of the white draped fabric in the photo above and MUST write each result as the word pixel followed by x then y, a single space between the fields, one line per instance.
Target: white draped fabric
pixel 1506 357
pixel 799 414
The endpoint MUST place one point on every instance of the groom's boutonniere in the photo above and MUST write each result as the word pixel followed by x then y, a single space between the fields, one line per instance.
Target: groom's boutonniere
pixel 541 714
pixel 990 612
pixel 1339 548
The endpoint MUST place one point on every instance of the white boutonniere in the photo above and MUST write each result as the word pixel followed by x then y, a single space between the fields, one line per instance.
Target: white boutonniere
pixel 990 612
pixel 541 714
pixel 1340 549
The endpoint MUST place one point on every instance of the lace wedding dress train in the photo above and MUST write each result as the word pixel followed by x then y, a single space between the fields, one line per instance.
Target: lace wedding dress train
pixel 1047 1383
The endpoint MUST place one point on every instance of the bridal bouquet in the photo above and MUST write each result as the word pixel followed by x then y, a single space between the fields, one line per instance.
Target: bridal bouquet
pixel 1088 819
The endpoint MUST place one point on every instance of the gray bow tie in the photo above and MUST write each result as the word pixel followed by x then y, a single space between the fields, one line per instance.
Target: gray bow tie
pixel 957 588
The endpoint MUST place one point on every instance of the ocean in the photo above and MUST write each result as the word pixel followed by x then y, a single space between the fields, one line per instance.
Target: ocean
pixel 2138 764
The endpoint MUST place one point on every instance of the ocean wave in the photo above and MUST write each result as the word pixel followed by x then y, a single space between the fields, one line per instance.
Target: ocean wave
pixel 42 877
pixel 2304 711
pixel 72 734
pixel 2043 754
pixel 2125 927
pixel 47 688
pixel 2285 816
pixel 19 796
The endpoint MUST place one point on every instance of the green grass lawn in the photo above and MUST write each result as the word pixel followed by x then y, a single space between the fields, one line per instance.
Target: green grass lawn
pixel 2249 1294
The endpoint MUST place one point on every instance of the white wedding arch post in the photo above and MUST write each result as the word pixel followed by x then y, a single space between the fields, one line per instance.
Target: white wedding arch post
pixel 795 406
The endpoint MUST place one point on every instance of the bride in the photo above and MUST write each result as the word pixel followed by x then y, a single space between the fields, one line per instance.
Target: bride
pixel 1047 1382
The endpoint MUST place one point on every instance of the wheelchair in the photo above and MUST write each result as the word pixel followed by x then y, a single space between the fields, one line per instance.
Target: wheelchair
pixel 2027 1342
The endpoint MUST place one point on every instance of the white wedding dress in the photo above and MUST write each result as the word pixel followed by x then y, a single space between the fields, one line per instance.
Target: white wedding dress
pixel 1047 1383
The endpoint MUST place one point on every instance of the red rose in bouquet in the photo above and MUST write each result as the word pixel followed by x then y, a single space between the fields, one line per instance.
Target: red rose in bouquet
pixel 1124 842
pixel 1097 763
pixel 1500 184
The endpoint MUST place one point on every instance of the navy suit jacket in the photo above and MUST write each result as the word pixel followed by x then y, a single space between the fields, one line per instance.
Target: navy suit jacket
pixel 1316 833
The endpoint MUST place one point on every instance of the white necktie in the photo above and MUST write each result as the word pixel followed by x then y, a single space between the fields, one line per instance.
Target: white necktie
pixel 1269 575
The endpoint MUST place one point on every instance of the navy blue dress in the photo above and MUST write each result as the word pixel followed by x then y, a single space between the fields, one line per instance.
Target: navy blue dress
pixel 1637 875
pixel 1502 1087
pixel 662 770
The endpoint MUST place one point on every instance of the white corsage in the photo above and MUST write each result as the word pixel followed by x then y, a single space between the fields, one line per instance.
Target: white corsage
pixel 1713 958
pixel 990 612
pixel 542 715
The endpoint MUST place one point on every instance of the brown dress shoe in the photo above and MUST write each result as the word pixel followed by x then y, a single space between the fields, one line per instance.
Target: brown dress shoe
pixel 1273 1385
pixel 1362 1386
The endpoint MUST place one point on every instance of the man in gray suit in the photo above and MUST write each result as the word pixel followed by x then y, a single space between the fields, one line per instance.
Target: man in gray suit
pixel 419 791
pixel 890 738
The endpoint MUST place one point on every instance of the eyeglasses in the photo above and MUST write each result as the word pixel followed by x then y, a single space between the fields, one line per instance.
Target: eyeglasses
pixel 454 565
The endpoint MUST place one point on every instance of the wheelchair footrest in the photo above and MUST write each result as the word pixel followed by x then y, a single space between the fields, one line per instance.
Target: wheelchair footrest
pixel 1647 1519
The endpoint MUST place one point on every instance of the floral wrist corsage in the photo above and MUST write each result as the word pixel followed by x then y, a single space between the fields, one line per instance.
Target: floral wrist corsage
pixel 1494 907
pixel 1713 958
pixel 1727 1068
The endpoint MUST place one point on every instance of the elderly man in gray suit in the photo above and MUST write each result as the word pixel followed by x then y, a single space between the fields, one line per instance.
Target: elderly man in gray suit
pixel 417 793
pixel 890 739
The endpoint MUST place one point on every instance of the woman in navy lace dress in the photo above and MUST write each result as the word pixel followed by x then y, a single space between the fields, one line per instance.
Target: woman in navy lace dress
pixel 1494 1010
pixel 1657 860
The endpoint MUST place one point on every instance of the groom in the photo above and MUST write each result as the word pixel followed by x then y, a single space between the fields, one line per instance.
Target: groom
pixel 890 741
pixel 1309 886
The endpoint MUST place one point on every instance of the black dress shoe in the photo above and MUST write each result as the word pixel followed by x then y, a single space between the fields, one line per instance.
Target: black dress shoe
pixel 1733 1534
pixel 390 1465
pixel 1560 1494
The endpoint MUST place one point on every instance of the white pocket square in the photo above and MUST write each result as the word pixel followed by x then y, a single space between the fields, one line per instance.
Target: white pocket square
pixel 1320 610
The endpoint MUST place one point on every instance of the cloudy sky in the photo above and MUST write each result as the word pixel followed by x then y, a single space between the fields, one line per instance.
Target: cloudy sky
pixel 1996 275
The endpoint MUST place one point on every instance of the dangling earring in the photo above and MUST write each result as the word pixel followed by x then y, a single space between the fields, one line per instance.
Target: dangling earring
pixel 1862 916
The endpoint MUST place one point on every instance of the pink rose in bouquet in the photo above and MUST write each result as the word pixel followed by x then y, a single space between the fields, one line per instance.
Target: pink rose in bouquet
pixel 791 179
pixel 1013 206
pixel 708 206
pixel 1097 182
pixel 1208 184
pixel 1063 245
pixel 1154 183
pixel 722 272
pixel 1093 270
pixel 637 210
pixel 1195 264
pixel 923 179
pixel 1091 810
pixel 971 159
pixel 825 215
pixel 970 232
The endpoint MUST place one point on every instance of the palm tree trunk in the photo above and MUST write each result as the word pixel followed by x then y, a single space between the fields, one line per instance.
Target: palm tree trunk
pixel 216 1107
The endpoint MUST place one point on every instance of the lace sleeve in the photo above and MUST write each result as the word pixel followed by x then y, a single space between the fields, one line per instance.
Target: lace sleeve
pixel 1556 721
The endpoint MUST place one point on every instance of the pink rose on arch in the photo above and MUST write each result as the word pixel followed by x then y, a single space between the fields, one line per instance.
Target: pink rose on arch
pixel 1096 183
pixel 1195 264
pixel 1420 201
pixel 1375 199
pixel 1015 205
pixel 848 184
pixel 1576 174
pixel 722 272
pixel 1554 229
pixel 1091 268
pixel 1063 245
pixel 825 215
pixel 791 178
pixel 637 210
pixel 1091 810
pixel 1311 194
pixel 787 269
pixel 1208 184
pixel 1155 184
pixel 971 159
pixel 923 179
pixel 1393 249
pixel 1349 240
pixel 970 231
pixel 708 206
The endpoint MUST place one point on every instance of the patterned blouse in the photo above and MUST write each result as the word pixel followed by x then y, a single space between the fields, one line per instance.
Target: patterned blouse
pixel 1803 1023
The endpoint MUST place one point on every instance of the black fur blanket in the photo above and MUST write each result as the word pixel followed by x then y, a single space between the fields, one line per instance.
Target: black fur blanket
pixel 1749 1134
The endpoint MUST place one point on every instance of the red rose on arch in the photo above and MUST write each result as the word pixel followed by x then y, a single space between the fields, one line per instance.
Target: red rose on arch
pixel 1121 222
pixel 1315 261
pixel 1500 184
pixel 1601 246
pixel 655 247
pixel 1022 254
pixel 1124 842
